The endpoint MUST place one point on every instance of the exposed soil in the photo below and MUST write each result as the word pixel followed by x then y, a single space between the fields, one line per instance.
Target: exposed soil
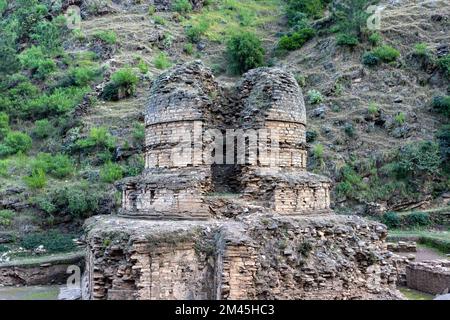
pixel 424 253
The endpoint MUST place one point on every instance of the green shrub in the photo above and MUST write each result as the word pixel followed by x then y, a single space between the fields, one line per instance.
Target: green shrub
pixel 392 220
pixel 370 59
pixel 421 49
pixel 135 165
pixel 139 133
pixel 400 118
pixel 440 244
pixel 161 61
pixel 4 125
pixel 344 188
pixel 244 52
pixel 53 241
pixel 123 84
pixel 143 66
pixel 314 96
pixel 344 39
pixel 351 182
pixel 312 8
pixel 35 60
pixel 75 201
pixel 15 142
pixel 297 39
pixel 4 168
pixel 195 32
pixel 443 137
pixel 188 48
pixel 349 130
pixel 6 217
pixel 59 165
pixel 111 172
pixel 37 179
pixel 350 16
pixel 182 6
pixel 43 129
pixel 301 80
pixel 48 34
pixel 98 139
pixel 311 136
pixel 160 20
pixel 421 157
pixel 441 104
pixel 60 101
pixel 418 219
pixel 107 36
pixel 83 76
pixel 125 78
pixel 318 151
pixel 444 64
pixel 386 53
pixel 151 10
pixel 375 39
pixel 3 6
pixel 372 109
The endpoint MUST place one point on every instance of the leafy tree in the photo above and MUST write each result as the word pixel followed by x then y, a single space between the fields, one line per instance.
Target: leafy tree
pixel 311 8
pixel 14 142
pixel 296 40
pixel 350 16
pixel 245 52
pixel 111 172
pixel 182 6
pixel 417 158
pixel 4 125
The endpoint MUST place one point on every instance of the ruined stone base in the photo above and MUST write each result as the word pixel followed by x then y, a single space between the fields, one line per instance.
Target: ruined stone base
pixel 431 276
pixel 257 257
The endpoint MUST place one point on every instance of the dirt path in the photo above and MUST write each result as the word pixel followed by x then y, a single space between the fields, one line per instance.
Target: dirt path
pixel 424 253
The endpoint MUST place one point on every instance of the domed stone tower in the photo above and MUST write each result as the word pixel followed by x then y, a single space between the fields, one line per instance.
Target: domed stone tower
pixel 272 103
pixel 225 208
pixel 176 176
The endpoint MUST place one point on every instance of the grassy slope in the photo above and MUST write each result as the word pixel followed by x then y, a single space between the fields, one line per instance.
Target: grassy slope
pixel 140 36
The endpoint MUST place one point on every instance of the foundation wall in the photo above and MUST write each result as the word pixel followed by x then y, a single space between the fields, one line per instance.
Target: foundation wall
pixel 431 277
pixel 274 258
pixel 300 199
pixel 160 202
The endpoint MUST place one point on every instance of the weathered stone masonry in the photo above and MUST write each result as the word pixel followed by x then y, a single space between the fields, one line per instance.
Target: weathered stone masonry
pixel 257 229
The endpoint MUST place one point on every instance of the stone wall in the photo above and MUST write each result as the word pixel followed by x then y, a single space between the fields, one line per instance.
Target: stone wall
pixel 50 271
pixel 301 199
pixel 429 276
pixel 167 194
pixel 288 192
pixel 146 260
pixel 258 257
pixel 163 137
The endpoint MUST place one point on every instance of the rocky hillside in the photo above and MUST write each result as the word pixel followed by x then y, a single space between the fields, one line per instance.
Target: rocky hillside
pixel 73 91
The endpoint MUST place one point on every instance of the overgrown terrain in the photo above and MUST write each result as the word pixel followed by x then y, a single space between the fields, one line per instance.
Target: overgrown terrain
pixel 72 94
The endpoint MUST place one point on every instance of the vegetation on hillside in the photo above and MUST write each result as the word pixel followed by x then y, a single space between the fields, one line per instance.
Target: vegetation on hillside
pixel 62 165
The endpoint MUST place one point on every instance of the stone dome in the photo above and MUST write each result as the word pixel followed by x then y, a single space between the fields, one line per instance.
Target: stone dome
pixel 271 94
pixel 185 92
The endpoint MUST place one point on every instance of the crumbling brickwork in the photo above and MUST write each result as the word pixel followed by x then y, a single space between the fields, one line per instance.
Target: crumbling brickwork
pixel 429 276
pixel 256 257
pixel 258 227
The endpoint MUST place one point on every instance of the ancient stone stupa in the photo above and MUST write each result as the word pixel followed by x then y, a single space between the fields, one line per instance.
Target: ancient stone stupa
pixel 225 208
